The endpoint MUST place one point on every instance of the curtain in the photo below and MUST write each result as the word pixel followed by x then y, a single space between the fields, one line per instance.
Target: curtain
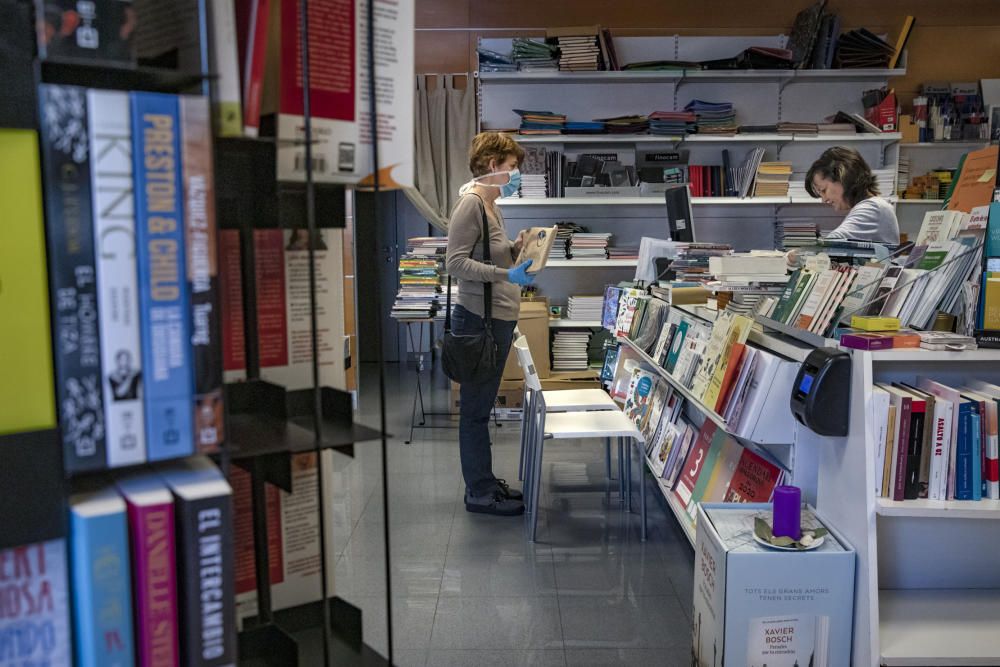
pixel 445 120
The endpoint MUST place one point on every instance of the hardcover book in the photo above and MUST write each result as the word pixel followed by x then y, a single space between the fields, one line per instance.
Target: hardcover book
pixel 34 624
pixel 72 276
pixel 537 244
pixel 695 463
pixel 203 514
pixel 202 272
pixel 154 573
pixel 753 481
pixel 164 301
pixel 102 579
pixel 117 281
pixel 26 391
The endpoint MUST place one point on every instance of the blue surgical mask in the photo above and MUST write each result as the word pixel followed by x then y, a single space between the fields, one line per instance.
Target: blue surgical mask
pixel 513 185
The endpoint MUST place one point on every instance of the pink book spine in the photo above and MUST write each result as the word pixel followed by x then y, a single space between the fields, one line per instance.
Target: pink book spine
pixel 155 584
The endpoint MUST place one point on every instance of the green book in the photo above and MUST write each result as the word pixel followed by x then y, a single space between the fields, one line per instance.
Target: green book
pixel 801 293
pixel 786 297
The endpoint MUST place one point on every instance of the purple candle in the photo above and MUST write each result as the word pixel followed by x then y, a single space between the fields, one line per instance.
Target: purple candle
pixel 787 512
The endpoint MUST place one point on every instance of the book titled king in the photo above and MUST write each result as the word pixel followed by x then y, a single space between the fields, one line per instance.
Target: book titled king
pixel 114 236
pixel 72 275
pixel 203 513
pixel 150 509
pixel 34 614
pixel 164 303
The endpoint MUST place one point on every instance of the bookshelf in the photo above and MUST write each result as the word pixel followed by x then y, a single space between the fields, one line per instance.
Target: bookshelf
pixel 885 137
pixel 927 591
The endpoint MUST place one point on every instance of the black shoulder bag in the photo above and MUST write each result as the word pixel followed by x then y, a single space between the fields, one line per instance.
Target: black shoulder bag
pixel 472 357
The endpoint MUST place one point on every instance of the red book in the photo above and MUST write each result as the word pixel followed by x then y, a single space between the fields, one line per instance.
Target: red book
pixel 154 573
pixel 693 465
pixel 272 320
pixel 234 360
pixel 732 369
pixel 252 16
pixel 753 481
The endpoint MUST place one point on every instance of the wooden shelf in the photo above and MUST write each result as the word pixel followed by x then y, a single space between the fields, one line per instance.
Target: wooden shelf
pixel 571 324
pixel 939 627
pixel 687 525
pixel 749 138
pixel 939 509
pixel 590 263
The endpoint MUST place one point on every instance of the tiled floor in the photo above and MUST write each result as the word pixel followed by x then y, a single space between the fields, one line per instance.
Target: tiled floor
pixel 469 590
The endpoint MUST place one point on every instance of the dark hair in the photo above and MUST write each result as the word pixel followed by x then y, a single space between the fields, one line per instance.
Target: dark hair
pixel 844 165
pixel 488 146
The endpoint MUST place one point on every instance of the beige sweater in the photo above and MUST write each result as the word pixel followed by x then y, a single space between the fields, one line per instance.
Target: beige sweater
pixel 465 260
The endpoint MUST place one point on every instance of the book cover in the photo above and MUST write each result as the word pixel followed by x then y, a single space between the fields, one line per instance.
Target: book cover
pixel 662 347
pixel 27 392
pixel 202 273
pixel 733 404
pixel 99 30
pixel 537 244
pixel 667 440
pixel 72 276
pixel 164 302
pixel 610 312
pixel 694 463
pixel 718 389
pixel 753 481
pixel 224 62
pixel 101 578
pixel 234 363
pixel 992 394
pixel 152 543
pixel 722 474
pixel 677 455
pixel 803 288
pixel 914 446
pixel 637 401
pixel 785 300
pixel 819 294
pixel 676 346
pixel 113 190
pixel 34 623
pixel 704 476
pixel 203 515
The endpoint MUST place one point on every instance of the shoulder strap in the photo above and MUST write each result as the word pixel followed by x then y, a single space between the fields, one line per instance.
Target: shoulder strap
pixel 487 259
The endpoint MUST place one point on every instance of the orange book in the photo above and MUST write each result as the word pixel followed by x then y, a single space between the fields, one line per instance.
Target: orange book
pixel 732 370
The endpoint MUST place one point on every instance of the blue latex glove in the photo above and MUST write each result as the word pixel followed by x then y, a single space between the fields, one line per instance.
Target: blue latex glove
pixel 519 274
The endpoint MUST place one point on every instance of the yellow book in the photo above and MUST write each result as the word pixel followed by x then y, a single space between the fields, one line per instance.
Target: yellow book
pixel 27 397
pixel 874 323
pixel 991 302
pixel 738 331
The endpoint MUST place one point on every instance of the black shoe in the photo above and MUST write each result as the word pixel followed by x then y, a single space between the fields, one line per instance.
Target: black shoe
pixel 493 502
pixel 509 493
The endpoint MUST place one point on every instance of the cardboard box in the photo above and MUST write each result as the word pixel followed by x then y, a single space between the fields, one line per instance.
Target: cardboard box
pixel 533 323
pixel 509 401
pixel 754 605
pixel 571 380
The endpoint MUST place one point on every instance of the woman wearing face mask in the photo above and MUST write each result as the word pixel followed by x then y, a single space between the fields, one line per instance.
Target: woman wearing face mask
pixel 494 159
pixel 842 179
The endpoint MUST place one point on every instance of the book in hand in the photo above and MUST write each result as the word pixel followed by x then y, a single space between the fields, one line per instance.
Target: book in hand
pixel 537 244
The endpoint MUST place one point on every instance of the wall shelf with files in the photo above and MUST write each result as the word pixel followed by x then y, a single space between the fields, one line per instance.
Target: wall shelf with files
pixel 927 590
pixel 748 138
pixel 574 324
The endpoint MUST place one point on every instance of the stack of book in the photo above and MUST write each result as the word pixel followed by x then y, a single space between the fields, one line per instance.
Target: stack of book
pixel 837 128
pixel 756 267
pixel 672 123
pixel 625 124
pixel 798 233
pixel 579 52
pixel 772 179
pixel 420 272
pixel 589 245
pixel 585 308
pixel 534 178
pixel 932 185
pixel 540 122
pixel 532 55
pixel 790 128
pixel 886 180
pixel 564 233
pixel 569 350
pixel 936 440
pixel 584 127
pixel 492 61
pixel 797 188
pixel 623 252
pixel 713 117
pixel 691 264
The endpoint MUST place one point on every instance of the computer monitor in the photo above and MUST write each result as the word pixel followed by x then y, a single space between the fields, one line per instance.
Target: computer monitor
pixel 680 215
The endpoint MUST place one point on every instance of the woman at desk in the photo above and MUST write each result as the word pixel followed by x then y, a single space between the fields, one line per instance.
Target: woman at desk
pixel 842 179
pixel 494 160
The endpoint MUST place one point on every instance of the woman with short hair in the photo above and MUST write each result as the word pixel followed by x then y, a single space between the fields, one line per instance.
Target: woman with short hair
pixel 494 159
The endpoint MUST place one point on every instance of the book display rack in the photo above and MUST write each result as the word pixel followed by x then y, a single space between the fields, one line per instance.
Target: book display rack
pixel 263 426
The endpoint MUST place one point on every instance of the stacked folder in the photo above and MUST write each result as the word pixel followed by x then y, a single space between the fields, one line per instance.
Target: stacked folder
pixel 533 56
pixel 590 245
pixel 863 48
pixel 625 124
pixel 583 127
pixel 713 117
pixel 672 123
pixel 540 122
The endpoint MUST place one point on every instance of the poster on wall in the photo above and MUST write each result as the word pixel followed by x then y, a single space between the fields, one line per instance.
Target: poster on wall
pixel 339 87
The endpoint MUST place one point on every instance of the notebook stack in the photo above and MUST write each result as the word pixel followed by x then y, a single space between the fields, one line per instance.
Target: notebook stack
pixel 672 123
pixel 863 48
pixel 583 127
pixel 713 117
pixel 691 264
pixel 623 252
pixel 491 61
pixel 534 181
pixel 420 271
pixel 789 128
pixel 569 350
pixel 903 175
pixel 560 249
pixel 579 53
pixel 797 234
pixel 589 245
pixel 886 180
pixel 585 308
pixel 847 129
pixel 797 187
pixel 534 56
pixel 625 124
pixel 540 122
pixel 772 179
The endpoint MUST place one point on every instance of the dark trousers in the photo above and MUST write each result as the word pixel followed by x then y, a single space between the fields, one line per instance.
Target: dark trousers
pixel 476 401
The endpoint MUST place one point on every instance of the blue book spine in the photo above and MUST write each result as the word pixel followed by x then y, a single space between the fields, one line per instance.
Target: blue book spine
pixel 977 456
pixel 102 590
pixel 72 275
pixel 164 301
pixel 963 455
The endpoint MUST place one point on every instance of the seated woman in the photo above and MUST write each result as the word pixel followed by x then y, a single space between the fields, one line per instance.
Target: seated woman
pixel 842 179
